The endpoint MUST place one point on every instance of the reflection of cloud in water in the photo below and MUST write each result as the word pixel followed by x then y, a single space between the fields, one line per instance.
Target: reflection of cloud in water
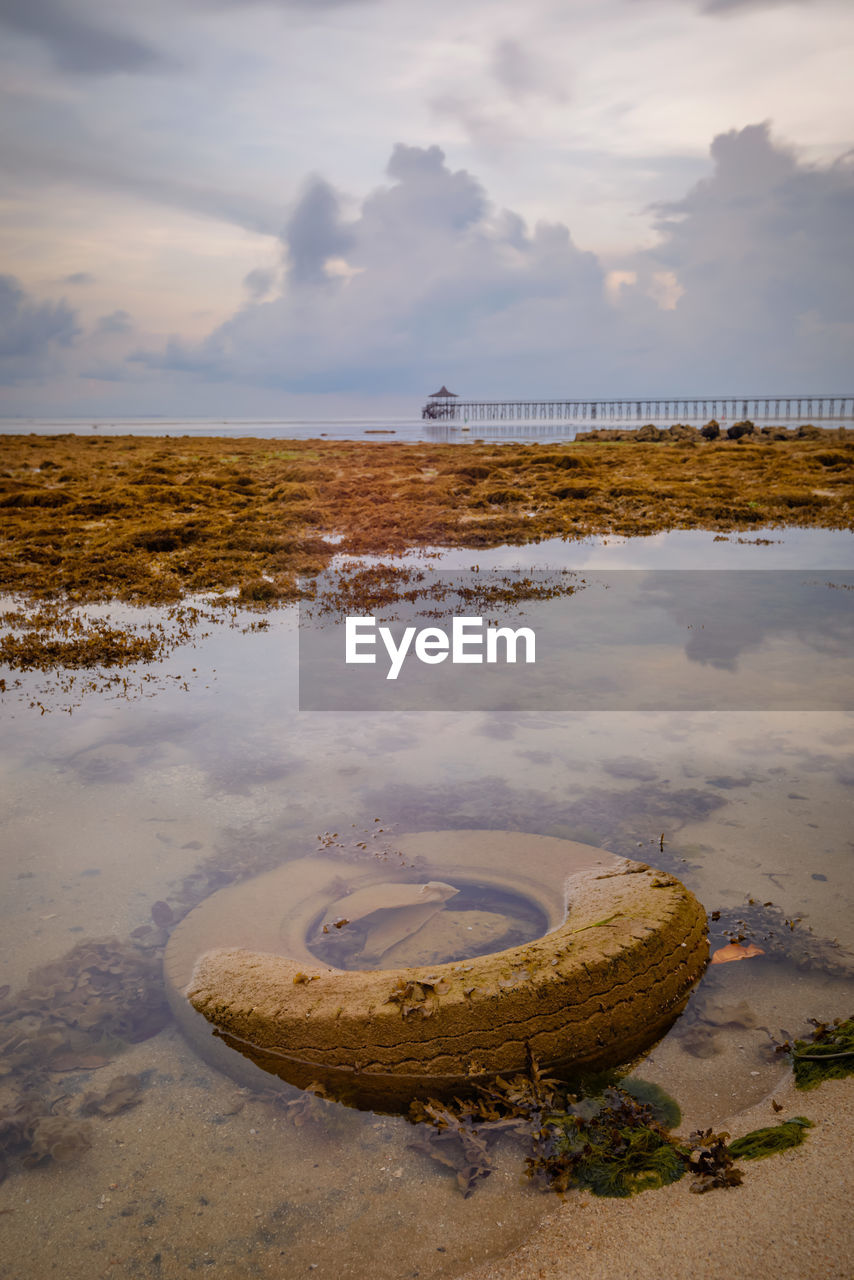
pixel 786 548
pixel 728 614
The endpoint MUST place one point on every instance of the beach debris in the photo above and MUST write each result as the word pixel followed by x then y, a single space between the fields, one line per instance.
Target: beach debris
pixel 711 1162
pixel 767 1142
pixel 780 936
pixel 735 951
pixel 827 1055
pixel 614 1141
pixel 417 997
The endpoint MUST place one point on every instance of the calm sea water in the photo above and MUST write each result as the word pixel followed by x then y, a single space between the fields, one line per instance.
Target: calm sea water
pixel 405 430
pixel 116 800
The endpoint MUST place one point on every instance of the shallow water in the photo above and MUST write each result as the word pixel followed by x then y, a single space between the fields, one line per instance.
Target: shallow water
pixel 122 805
pixel 400 429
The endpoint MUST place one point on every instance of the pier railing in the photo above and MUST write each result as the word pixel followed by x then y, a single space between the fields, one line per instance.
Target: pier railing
pixel 756 408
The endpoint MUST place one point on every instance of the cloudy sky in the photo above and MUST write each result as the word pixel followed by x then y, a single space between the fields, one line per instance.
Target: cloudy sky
pixel 309 207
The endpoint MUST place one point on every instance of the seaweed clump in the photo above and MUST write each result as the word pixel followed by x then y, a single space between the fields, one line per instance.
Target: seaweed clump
pixel 611 1143
pixel 827 1055
pixel 615 1141
pixel 767 1142
pixel 711 1162
pixel 55 636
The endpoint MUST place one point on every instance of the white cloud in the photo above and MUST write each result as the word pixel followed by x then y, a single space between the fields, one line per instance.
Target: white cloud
pixel 665 289
pixel 740 292
pixel 615 281
pixel 163 158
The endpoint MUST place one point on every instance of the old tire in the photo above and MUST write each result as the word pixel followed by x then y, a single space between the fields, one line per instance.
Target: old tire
pixel 626 946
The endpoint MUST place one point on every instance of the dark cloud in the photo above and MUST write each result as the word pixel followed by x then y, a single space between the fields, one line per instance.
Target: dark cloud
pixel 77 42
pixel 259 283
pixel 30 331
pixel 44 142
pixel 315 232
pixel 116 322
pixel 78 278
pixel 426 192
pixel 764 236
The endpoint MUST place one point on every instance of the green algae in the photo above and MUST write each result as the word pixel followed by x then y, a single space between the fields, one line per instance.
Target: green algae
pixel 608 1142
pixel 611 1139
pixel 767 1142
pixel 617 1151
pixel 828 1055
pixel 665 1110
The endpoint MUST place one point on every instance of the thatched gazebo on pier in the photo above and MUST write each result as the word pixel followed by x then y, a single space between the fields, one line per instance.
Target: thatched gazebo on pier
pixel 440 404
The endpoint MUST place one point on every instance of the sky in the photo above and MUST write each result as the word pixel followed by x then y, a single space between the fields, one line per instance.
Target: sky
pixel 288 208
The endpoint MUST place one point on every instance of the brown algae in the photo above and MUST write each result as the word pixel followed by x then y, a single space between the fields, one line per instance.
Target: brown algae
pixel 150 520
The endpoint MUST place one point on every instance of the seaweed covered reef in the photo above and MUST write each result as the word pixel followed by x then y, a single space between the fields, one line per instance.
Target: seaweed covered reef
pixel 150 520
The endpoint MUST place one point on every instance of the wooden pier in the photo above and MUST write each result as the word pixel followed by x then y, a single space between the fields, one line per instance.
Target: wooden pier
pixel 444 406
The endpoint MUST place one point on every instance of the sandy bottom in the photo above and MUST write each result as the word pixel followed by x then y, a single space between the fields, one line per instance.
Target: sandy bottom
pixel 790 1217
pixel 205 1176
